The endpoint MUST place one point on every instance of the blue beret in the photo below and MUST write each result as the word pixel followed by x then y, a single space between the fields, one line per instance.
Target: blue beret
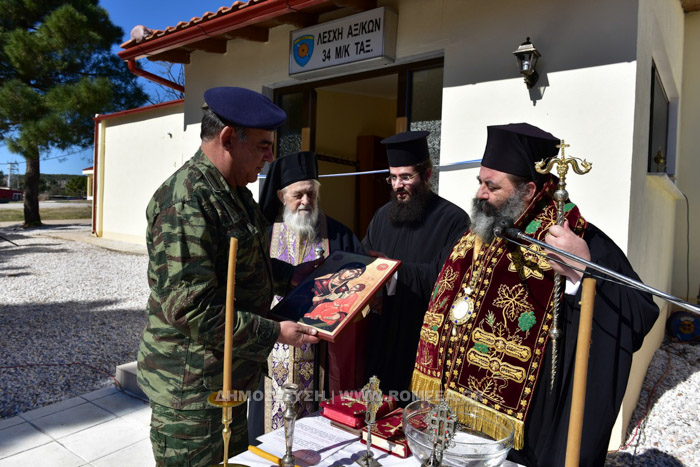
pixel 244 108
pixel 516 147
pixel 407 148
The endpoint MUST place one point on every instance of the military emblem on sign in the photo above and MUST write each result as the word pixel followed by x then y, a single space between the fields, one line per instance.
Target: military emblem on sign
pixel 303 49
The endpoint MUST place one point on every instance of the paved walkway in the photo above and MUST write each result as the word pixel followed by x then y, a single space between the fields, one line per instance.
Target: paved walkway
pixel 102 428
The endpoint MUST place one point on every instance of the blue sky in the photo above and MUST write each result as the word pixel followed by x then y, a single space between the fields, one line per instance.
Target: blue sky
pixel 154 14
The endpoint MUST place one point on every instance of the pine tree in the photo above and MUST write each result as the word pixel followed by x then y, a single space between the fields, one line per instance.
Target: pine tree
pixel 56 72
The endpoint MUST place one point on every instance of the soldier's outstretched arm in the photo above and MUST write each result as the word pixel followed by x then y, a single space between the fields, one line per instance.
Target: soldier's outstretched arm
pixel 295 334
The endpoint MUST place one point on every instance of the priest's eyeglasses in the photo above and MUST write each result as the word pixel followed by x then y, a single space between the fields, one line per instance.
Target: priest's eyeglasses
pixel 403 178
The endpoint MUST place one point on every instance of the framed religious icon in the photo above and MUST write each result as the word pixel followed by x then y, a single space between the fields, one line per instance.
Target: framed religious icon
pixel 333 295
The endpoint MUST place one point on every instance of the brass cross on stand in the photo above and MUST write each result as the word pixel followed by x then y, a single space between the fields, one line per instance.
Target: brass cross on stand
pixel 372 397
pixel 442 427
pixel 560 196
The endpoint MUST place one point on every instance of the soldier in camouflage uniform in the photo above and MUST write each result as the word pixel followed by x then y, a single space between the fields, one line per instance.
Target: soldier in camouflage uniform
pixel 191 218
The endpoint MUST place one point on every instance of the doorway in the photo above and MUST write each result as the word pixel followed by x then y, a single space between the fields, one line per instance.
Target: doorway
pixel 344 119
pixel 351 119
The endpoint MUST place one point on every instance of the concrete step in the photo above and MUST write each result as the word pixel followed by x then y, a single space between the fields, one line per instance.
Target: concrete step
pixel 126 375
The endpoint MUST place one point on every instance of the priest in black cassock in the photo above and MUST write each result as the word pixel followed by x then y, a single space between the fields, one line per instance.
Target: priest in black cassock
pixel 417 227
pixel 290 201
pixel 486 338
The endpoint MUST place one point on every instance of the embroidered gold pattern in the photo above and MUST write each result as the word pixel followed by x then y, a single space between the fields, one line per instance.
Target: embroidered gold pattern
pixel 428 335
pixel 433 319
pixel 512 300
pixel 496 366
pixel 528 264
pixel 510 348
pixel 447 281
pixel 460 250
pixel 548 218
pixel 426 360
pixel 485 387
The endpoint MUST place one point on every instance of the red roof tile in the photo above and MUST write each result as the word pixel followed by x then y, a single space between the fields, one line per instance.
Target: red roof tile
pixel 207 16
pixel 175 43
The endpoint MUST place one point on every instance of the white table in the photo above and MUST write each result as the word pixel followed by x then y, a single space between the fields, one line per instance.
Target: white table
pixel 327 446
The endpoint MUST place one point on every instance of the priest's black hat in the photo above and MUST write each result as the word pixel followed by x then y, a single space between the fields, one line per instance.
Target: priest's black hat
pixel 407 148
pixel 284 171
pixel 516 147
pixel 244 108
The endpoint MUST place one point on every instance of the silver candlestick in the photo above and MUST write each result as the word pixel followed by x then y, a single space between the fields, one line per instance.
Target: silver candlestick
pixel 372 396
pixel 289 399
pixel 441 424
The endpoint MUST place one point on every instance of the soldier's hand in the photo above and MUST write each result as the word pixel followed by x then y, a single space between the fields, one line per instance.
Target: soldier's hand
pixel 295 334
pixel 562 237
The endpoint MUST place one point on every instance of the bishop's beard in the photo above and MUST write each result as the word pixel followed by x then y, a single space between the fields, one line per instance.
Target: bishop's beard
pixel 412 211
pixel 304 222
pixel 484 215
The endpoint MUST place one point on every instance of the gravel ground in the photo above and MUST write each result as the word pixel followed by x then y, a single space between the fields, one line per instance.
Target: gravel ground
pixel 664 426
pixel 71 312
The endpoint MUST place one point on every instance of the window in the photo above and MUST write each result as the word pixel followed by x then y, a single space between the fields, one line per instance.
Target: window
pixel 659 158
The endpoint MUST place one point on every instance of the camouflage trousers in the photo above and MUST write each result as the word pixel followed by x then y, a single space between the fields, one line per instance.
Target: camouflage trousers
pixel 192 438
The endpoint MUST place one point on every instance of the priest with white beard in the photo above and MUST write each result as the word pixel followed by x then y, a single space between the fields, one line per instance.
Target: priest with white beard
pixel 290 201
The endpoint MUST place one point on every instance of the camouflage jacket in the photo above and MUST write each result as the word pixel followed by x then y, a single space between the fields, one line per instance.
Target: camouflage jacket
pixel 191 218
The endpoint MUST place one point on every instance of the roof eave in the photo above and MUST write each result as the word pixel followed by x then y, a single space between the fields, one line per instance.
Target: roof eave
pixel 247 16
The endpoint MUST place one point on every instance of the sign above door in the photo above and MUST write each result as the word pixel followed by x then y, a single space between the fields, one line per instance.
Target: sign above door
pixel 366 37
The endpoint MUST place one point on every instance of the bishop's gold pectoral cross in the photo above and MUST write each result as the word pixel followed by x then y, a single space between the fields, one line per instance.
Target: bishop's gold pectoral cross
pixel 560 196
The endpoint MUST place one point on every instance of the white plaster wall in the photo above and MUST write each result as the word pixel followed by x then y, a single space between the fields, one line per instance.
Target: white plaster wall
pixel 141 151
pixel 688 168
pixel 598 128
pixel 585 94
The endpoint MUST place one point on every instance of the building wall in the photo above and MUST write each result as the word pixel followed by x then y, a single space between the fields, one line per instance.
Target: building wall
pixel 138 152
pixel 688 169
pixel 586 97
pixel 654 199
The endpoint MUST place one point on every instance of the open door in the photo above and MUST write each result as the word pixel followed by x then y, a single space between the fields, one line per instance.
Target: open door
pixel 372 191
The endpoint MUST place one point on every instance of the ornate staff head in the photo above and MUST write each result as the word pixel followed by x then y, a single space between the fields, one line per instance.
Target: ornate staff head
pixel 545 166
pixel 560 196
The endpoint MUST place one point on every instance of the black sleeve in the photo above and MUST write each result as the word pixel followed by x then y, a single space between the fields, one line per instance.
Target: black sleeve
pixel 342 238
pixel 422 276
pixel 635 311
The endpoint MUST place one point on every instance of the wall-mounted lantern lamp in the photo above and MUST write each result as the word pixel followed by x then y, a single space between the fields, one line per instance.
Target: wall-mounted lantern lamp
pixel 527 56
